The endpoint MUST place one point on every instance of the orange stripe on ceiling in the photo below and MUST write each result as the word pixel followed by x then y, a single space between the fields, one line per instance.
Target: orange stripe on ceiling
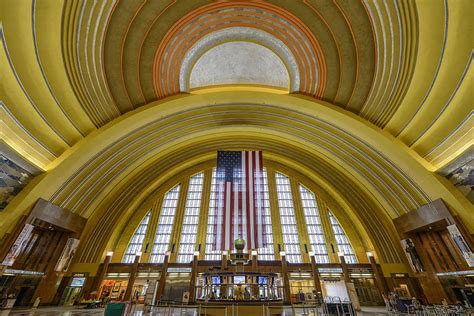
pixel 166 71
pixel 335 41
pixel 349 25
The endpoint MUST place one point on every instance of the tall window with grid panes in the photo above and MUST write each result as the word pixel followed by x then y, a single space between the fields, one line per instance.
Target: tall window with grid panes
pixel 165 225
pixel 189 228
pixel 266 253
pixel 136 243
pixel 210 253
pixel 289 229
pixel 343 244
pixel 313 224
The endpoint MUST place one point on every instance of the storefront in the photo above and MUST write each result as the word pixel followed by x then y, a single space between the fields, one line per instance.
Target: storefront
pixel 459 286
pixel 366 288
pixel 145 286
pixel 114 286
pixel 301 286
pixel 19 286
pixel 72 292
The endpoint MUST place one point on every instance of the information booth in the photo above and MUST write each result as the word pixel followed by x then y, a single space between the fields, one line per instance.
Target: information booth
pixel 239 287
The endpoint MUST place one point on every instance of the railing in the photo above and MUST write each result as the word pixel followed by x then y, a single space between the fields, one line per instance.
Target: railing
pixel 188 310
pixel 328 308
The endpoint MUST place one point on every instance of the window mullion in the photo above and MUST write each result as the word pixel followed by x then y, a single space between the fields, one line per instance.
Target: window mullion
pixel 178 221
pixel 276 223
pixel 204 213
pixel 152 225
pixel 190 220
pixel 166 225
pixel 300 222
pixel 327 230
pixel 291 239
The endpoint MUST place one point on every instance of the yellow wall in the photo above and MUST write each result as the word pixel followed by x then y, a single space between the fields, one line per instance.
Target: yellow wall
pixel 311 137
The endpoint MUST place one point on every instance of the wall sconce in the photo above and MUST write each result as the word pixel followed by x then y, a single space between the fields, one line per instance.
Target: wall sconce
pixel 282 253
pixel 168 253
pixel 369 254
pixel 196 253
pixel 254 252
pixel 110 253
pixel 138 253
pixel 225 253
pixel 311 254
pixel 340 254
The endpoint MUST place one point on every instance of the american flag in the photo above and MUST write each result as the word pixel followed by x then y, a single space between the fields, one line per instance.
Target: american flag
pixel 239 215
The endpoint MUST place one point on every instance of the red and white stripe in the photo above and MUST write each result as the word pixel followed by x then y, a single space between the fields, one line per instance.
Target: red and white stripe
pixel 242 211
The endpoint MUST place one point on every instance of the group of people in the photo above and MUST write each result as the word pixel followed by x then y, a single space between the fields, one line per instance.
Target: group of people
pixel 393 302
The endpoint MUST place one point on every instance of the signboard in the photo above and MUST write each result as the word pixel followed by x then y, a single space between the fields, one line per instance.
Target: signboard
pixel 185 297
pixel 18 245
pixel 77 282
pixel 66 256
pixel 461 244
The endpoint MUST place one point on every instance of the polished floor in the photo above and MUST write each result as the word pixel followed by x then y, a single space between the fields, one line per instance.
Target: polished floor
pixel 188 311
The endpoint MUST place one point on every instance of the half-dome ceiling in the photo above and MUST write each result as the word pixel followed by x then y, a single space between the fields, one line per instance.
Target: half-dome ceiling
pixel 239 63
pixel 71 68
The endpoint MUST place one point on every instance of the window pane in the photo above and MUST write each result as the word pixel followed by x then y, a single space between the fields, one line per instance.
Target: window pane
pixel 266 253
pixel 288 219
pixel 313 222
pixel 210 253
pixel 136 242
pixel 165 225
pixel 190 219
pixel 342 241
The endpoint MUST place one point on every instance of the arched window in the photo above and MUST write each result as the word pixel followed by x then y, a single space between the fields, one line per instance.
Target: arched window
pixel 187 241
pixel 289 230
pixel 313 224
pixel 165 225
pixel 342 241
pixel 136 242
pixel 289 206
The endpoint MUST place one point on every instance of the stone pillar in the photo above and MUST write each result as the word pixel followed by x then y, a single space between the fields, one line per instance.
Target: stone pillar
pixel 131 279
pixel 379 279
pixel 286 280
pixel 314 270
pixel 192 284
pixel 351 292
pixel 100 277
pixel 162 283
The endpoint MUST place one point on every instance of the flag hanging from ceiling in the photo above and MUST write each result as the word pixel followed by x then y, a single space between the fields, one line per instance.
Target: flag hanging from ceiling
pixel 239 200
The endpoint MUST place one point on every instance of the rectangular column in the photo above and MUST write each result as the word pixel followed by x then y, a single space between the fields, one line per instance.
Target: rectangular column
pixel 349 285
pixel 162 283
pixel 286 280
pixel 379 279
pixel 315 272
pixel 192 282
pixel 102 273
pixel 132 277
